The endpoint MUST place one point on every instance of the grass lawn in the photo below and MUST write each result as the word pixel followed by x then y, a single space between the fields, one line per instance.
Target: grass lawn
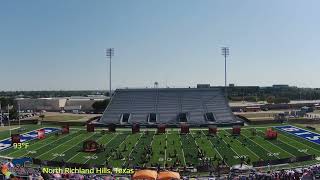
pixel 258 115
pixel 63 117
pixel 4 131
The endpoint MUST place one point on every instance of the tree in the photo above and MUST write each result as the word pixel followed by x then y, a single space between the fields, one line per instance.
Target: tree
pixel 270 99
pixel 281 100
pixel 42 116
pixel 4 101
pixel 13 113
pixel 100 106
pixel 251 98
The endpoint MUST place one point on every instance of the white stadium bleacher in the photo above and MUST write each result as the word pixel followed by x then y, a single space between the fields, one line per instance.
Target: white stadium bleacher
pixel 171 106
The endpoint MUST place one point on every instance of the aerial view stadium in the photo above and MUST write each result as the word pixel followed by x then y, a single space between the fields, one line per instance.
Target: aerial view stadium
pixel 184 90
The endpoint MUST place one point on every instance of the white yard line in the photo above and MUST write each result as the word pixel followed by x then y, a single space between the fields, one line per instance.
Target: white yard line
pixel 40 146
pixel 135 144
pixel 78 152
pixel 314 132
pixel 293 147
pixel 152 139
pixel 287 144
pixel 59 145
pixel 300 143
pixel 9 138
pixel 133 148
pixel 246 147
pixel 259 145
pixel 31 145
pixel 212 146
pixel 279 147
pixel 230 147
pixel 195 142
pixel 184 159
pixel 119 145
pixel 105 144
pixel 71 147
pixel 151 144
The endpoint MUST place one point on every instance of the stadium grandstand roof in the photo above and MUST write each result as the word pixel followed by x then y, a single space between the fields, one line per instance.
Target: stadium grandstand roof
pixel 171 106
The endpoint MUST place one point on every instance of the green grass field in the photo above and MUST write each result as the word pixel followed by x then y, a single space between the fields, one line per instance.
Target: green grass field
pixel 63 117
pixel 172 149
pixel 4 131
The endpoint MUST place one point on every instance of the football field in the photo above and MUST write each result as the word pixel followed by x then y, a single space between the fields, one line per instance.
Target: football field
pixel 172 149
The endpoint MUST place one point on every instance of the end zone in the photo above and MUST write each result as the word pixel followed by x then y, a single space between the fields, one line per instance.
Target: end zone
pixel 299 132
pixel 6 143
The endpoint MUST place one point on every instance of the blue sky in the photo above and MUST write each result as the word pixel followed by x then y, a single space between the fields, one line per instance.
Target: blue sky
pixel 59 45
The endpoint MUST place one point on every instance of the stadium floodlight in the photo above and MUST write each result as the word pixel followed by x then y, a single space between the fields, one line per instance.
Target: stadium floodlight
pixel 109 54
pixel 225 53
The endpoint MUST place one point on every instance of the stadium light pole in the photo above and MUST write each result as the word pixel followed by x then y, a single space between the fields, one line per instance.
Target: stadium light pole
pixel 225 53
pixel 109 54
pixel 9 119
pixel 19 114
pixel 1 123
